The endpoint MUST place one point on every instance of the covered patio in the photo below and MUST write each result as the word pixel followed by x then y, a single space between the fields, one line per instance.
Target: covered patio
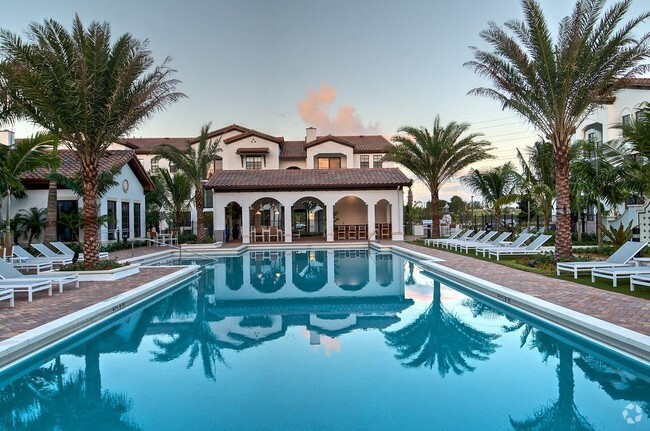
pixel 325 205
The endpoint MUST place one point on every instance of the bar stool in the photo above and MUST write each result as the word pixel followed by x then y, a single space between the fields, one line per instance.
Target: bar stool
pixel 363 231
pixel 352 232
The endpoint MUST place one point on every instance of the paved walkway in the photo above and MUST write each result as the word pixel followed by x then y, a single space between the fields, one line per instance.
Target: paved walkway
pixel 623 310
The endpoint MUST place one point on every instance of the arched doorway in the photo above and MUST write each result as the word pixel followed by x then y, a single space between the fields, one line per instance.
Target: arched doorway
pixel 233 222
pixel 266 220
pixel 383 223
pixel 308 217
pixel 350 219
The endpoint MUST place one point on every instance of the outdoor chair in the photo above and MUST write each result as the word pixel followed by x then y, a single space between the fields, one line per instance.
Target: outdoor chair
pixel 454 235
pixel 639 280
pixel 273 233
pixel 385 231
pixel 7 293
pixel 532 248
pixel 47 254
pixel 617 272
pixel 153 238
pixel 522 238
pixel 340 232
pixel 442 241
pixel 352 232
pixel 473 238
pixel 363 232
pixel 483 241
pixel 258 234
pixel 173 237
pixel 621 257
pixel 8 272
pixel 25 260
pixel 67 251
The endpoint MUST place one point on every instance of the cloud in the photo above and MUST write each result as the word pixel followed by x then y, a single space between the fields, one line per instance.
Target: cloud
pixel 315 111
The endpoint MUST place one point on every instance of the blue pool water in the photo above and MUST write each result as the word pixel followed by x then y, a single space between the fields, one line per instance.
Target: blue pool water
pixel 332 340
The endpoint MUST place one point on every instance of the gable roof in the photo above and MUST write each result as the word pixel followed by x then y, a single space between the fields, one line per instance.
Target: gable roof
pixel 364 144
pixel 221 131
pixel 70 166
pixel 307 179
pixel 253 133
pixel 147 145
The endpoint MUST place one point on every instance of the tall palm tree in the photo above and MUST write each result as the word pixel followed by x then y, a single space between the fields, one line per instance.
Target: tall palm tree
pixel 496 186
pixel 32 222
pixel 177 193
pixel 195 162
pixel 26 156
pixel 436 157
pixel 637 135
pixel 556 85
pixel 85 90
pixel 537 181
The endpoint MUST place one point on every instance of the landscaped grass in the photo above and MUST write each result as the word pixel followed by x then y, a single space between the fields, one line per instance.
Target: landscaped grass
pixel 544 265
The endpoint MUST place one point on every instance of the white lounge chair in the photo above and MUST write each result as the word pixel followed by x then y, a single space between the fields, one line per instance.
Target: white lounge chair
pixel 440 241
pixel 8 272
pixel 24 283
pixel 67 251
pixel 473 238
pixel 639 280
pixel 532 248
pixel 46 253
pixel 502 237
pixel 454 235
pixel 521 239
pixel 621 257
pixel 618 272
pixel 25 263
pixel 7 293
pixel 483 240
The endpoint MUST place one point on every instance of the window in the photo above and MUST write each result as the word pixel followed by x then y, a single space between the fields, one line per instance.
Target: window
pixel 365 162
pixel 253 162
pixel 126 225
pixel 154 167
pixel 207 199
pixel 591 137
pixel 172 168
pixel 638 116
pixel 376 161
pixel 111 212
pixel 329 163
pixel 626 120
pixel 137 222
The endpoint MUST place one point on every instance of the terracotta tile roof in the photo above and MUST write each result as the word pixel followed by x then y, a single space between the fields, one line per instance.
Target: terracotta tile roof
pixel 293 150
pixel 221 131
pixel 70 166
pixel 147 145
pixel 307 179
pixel 368 144
pixel 257 150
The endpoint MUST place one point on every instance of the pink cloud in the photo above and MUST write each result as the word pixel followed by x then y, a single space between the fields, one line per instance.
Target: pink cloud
pixel 315 111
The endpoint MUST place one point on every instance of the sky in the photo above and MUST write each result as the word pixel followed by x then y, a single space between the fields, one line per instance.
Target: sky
pixel 342 66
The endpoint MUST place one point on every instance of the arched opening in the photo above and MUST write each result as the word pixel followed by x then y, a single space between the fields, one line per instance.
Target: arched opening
pixel 384 269
pixel 293 168
pixel 267 271
pixel 350 219
pixel 383 225
pixel 233 222
pixel 352 272
pixel 266 219
pixel 309 270
pixel 235 272
pixel 308 217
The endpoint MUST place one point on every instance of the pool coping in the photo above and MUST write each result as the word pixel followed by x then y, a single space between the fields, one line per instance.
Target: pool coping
pixel 34 340
pixel 625 340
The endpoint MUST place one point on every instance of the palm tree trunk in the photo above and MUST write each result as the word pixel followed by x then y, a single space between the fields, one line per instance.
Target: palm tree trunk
pixel 497 216
pixel 563 246
pixel 50 222
pixel 198 203
pixel 435 213
pixel 91 240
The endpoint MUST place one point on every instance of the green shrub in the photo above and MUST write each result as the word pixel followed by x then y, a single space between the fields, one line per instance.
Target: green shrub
pixel 84 266
pixel 120 245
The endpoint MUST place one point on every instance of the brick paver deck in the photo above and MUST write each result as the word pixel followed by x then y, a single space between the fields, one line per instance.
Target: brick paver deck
pixel 623 310
pixel 43 309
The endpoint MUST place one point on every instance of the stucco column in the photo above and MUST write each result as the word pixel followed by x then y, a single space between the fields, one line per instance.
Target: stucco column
pixel 397 208
pixel 288 268
pixel 288 233
pixel 372 235
pixel 219 214
pixel 246 223
pixel 329 215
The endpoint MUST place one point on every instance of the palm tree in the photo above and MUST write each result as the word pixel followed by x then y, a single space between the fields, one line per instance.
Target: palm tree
pixel 177 193
pixel 537 181
pixel 26 156
pixel 86 91
pixel 31 222
pixel 437 157
pixel 637 135
pixel 497 186
pixel 195 162
pixel 556 85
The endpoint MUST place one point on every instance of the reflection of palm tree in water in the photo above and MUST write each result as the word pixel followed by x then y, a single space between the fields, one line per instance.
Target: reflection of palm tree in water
pixel 197 337
pixel 410 280
pixel 563 414
pixel 438 335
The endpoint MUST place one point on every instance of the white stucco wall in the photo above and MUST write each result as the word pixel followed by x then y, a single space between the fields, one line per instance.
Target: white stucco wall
pixel 330 148
pixel 232 160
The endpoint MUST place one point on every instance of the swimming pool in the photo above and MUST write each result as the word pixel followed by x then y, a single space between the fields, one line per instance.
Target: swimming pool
pixel 329 339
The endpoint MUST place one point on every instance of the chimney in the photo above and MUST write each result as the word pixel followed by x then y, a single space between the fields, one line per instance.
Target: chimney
pixel 7 138
pixel 310 134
